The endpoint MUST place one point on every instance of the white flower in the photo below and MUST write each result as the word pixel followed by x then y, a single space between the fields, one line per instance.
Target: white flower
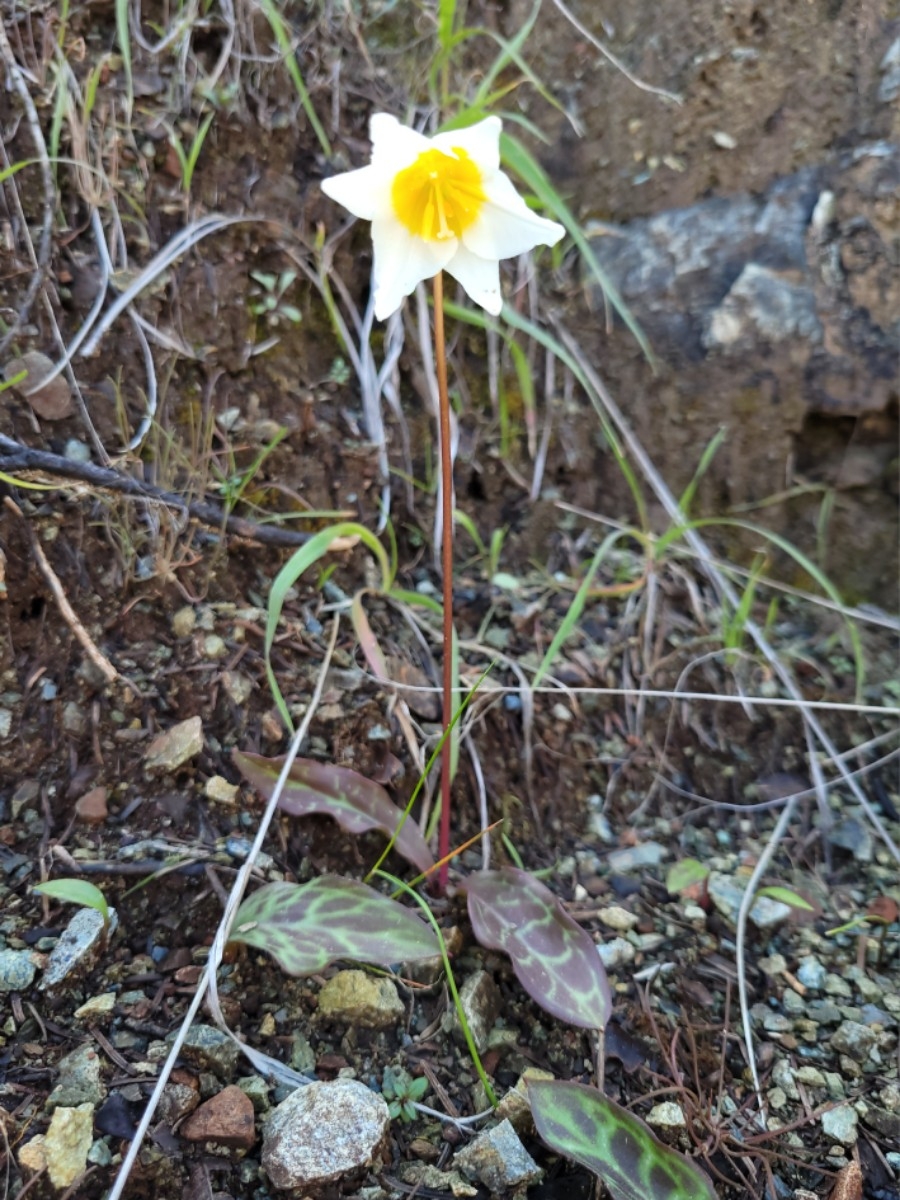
pixel 439 203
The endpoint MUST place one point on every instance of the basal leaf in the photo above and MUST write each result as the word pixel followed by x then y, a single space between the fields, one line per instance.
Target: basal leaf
pixel 75 891
pixel 307 926
pixel 584 1125
pixel 356 803
pixel 555 961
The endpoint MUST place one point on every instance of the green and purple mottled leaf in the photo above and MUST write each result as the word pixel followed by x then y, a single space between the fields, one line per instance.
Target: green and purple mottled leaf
pixel 356 803
pixel 307 926
pixel 555 961
pixel 584 1125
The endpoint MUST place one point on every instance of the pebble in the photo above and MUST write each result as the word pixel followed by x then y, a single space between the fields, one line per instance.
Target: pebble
pixel 324 1133
pixel 226 1119
pixel 811 974
pixel 514 1106
pixel 497 1158
pixel 91 807
pixel 616 953
pixel 180 1097
pixel 840 1124
pixel 479 998
pixel 866 987
pixel 220 791
pixel 618 918
pixel 97 1009
pixel 174 747
pixel 79 947
pixel 854 1040
pixel 78 1081
pixel 810 1077
pixel 208 1049
pixel 64 1148
pixel 214 647
pixel 237 686
pixel 649 854
pixel 359 999
pixel 184 622
pixel 668 1117
pixel 836 985
pixel 17 971
pixel 727 894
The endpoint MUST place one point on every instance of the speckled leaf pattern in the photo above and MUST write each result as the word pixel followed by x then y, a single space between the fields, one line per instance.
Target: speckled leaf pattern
pixel 307 926
pixel 356 803
pixel 555 961
pixel 584 1125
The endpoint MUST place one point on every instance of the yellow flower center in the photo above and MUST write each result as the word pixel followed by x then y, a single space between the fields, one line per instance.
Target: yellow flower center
pixel 438 196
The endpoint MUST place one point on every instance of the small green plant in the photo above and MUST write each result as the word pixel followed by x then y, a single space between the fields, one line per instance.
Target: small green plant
pixel 76 891
pixel 267 298
pixel 402 1093
pixel 187 159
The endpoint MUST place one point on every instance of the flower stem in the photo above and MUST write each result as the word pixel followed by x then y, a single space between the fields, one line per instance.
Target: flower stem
pixel 440 362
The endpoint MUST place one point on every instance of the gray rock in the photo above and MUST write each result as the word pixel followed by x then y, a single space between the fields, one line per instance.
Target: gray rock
pixel 208 1049
pixel 173 748
pixel 840 1124
pixel 648 854
pixel 79 1080
pixel 811 974
pixel 616 953
pixel 854 1040
pixel 79 947
pixel 855 835
pixel 323 1133
pixel 727 894
pixel 810 1077
pixel 480 1001
pixel 823 1012
pixel 836 985
pixel 498 1159
pixel 356 998
pixel 17 971
pixel 783 1077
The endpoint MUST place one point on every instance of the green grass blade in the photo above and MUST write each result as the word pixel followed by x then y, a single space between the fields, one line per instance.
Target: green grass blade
pixel 530 172
pixel 576 608
pixel 279 30
pixel 297 564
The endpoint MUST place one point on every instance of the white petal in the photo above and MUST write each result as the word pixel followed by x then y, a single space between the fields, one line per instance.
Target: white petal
pixel 506 226
pixel 401 261
pixel 366 193
pixel 394 146
pixel 480 278
pixel 481 142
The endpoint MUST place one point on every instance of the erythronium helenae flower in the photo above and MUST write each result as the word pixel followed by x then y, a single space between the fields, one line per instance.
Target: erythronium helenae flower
pixel 439 203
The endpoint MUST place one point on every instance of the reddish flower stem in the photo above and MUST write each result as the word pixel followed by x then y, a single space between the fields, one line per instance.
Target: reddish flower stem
pixel 440 361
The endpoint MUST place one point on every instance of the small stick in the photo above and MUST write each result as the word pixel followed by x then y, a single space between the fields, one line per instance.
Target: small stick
pixel 100 661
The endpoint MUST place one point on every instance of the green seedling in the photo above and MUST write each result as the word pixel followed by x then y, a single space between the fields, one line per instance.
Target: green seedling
pixel 187 159
pixel 402 1093
pixel 76 891
pixel 267 298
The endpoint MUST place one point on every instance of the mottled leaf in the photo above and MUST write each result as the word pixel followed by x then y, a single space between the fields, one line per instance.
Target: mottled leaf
pixel 584 1125
pixel 555 961
pixel 356 803
pixel 307 926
